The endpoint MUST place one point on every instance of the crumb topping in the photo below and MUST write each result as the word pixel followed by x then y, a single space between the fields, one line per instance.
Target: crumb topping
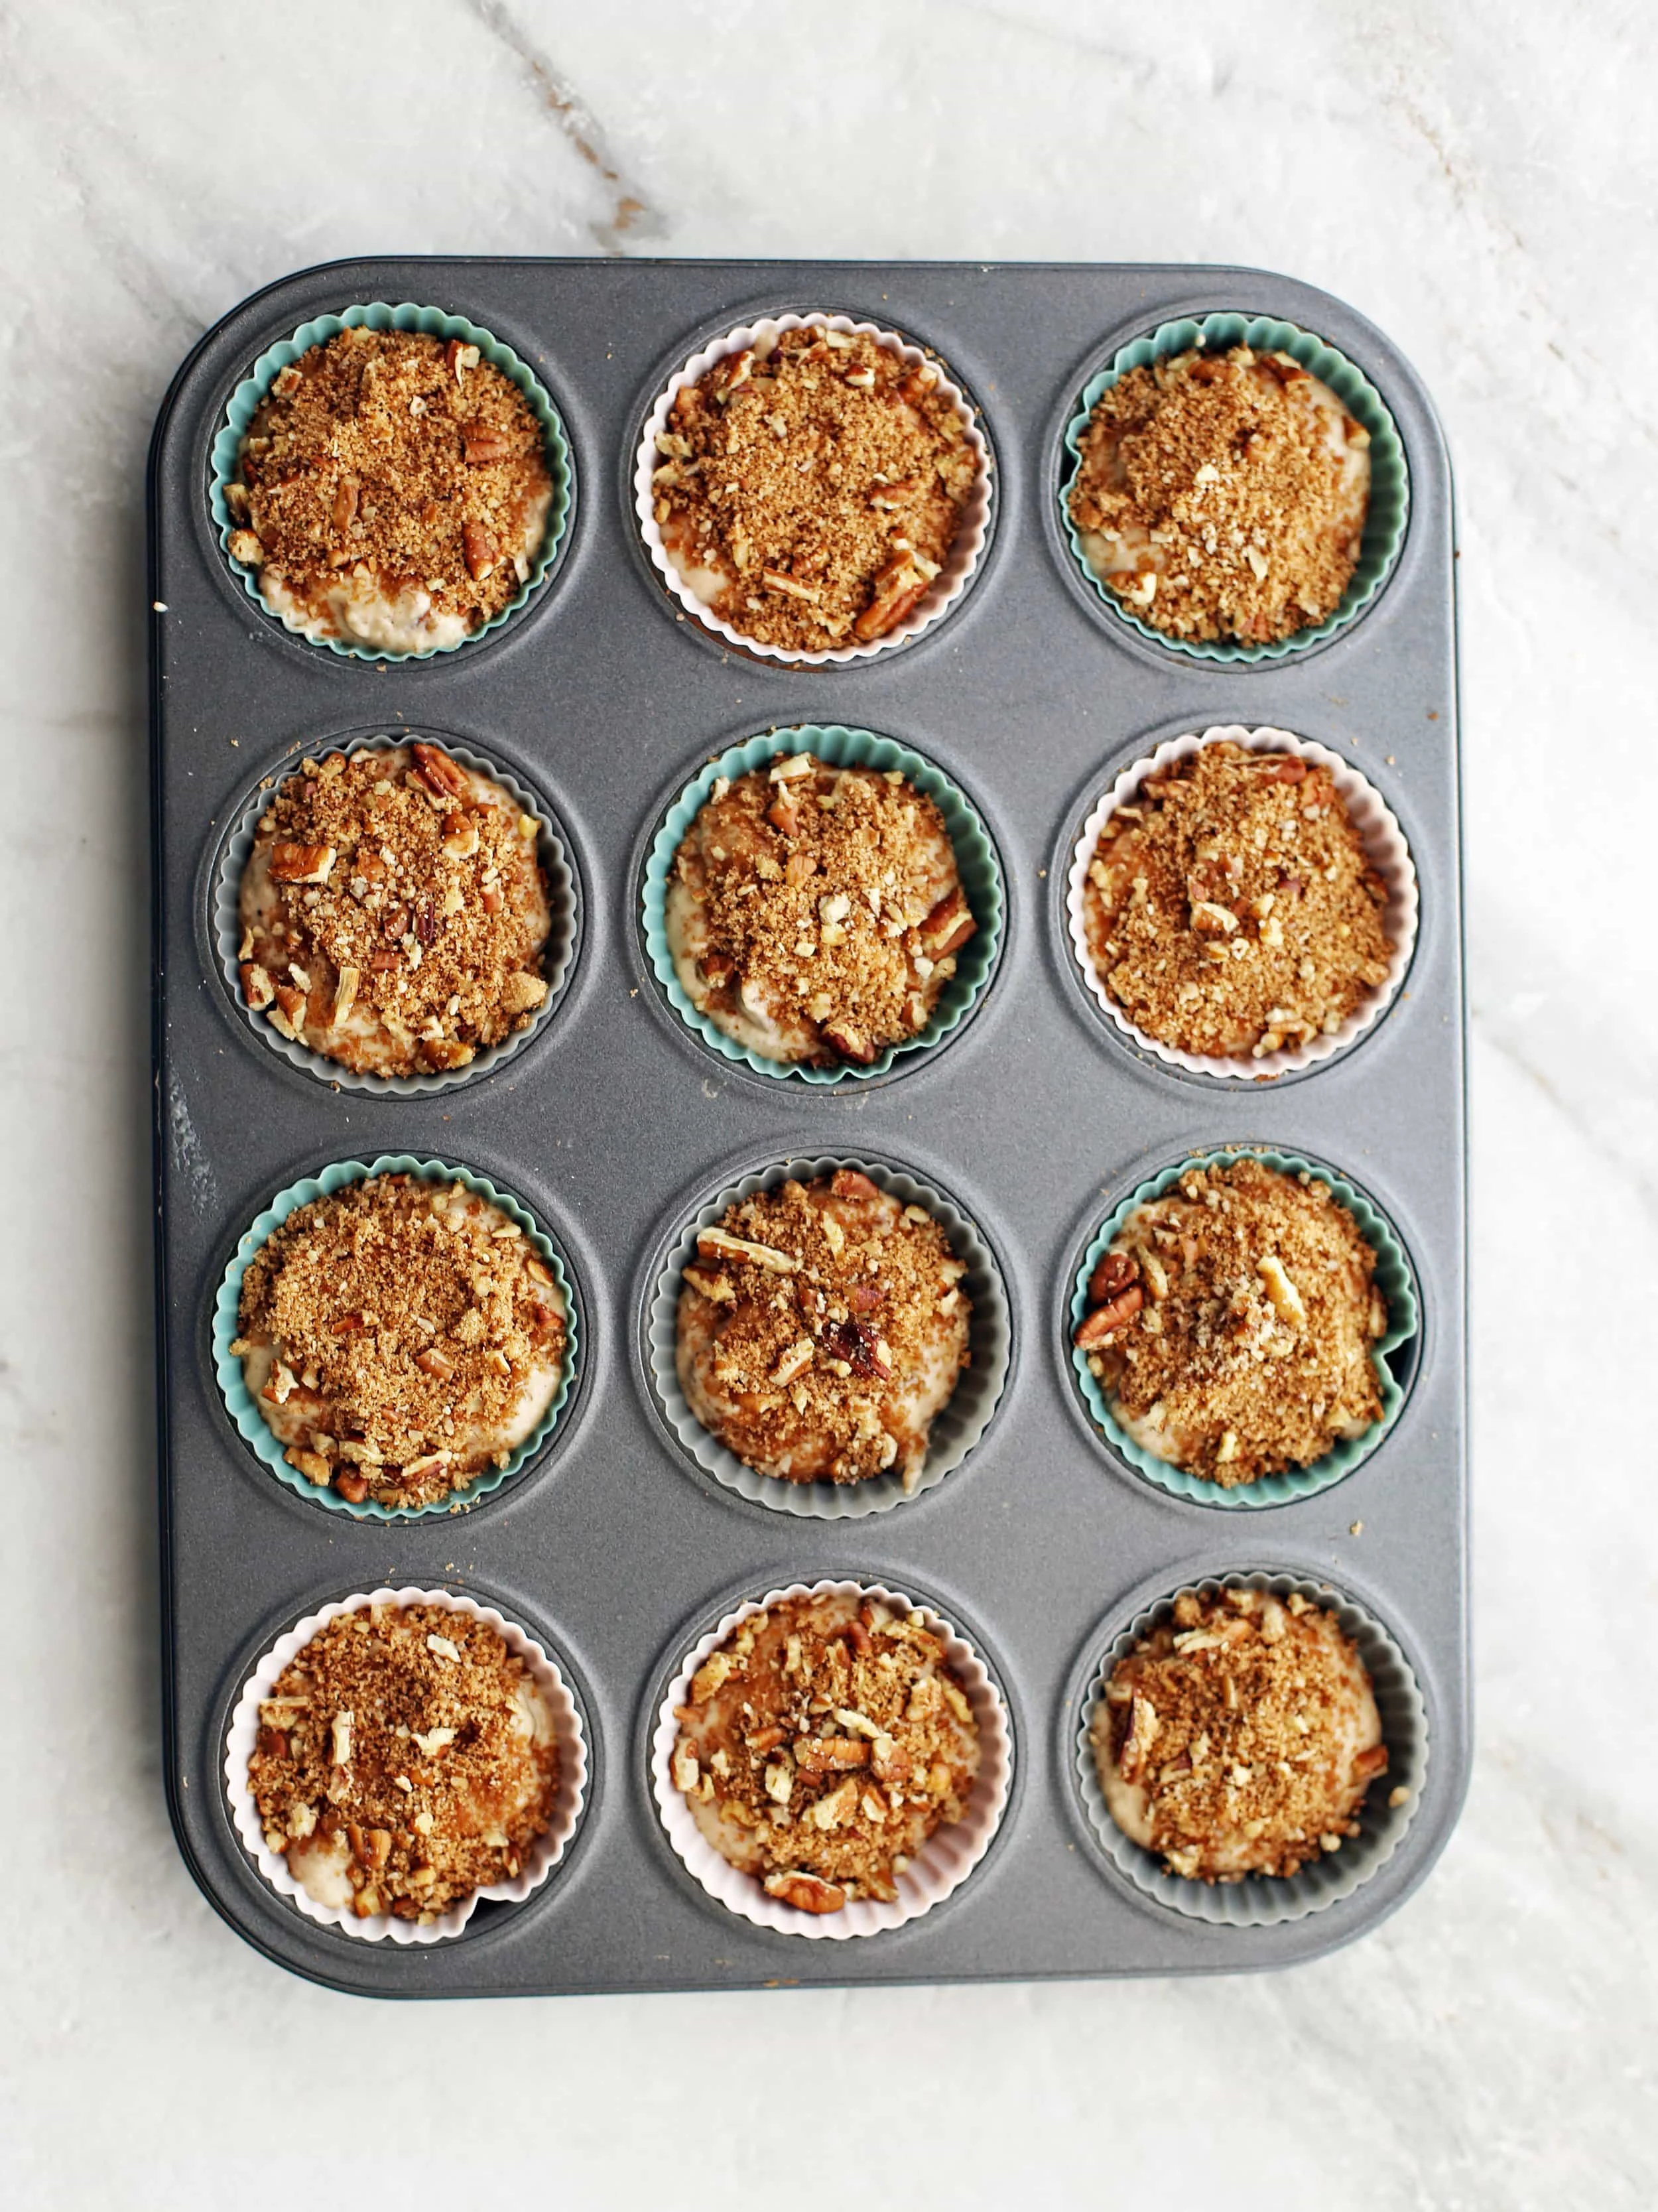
pixel 1223 496
pixel 1231 1323
pixel 1240 1737
pixel 817 910
pixel 406 1757
pixel 822 1327
pixel 394 911
pixel 823 1743
pixel 809 494
pixel 396 464
pixel 1230 908
pixel 400 1336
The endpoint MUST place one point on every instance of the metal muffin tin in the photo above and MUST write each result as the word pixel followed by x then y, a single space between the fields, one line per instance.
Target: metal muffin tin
pixel 614 1122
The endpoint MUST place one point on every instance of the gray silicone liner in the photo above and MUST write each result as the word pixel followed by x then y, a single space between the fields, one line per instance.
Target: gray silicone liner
pixel 958 1427
pixel 1263 1900
pixel 563 938
pixel 1030 696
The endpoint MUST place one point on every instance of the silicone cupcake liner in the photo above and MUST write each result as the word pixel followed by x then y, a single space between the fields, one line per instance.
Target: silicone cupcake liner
pixel 970 537
pixel 1268 1900
pixel 1384 848
pixel 433 323
pixel 937 1870
pixel 957 1428
pixel 558 959
pixel 239 1401
pixel 976 861
pixel 384 1927
pixel 1393 1279
pixel 1385 521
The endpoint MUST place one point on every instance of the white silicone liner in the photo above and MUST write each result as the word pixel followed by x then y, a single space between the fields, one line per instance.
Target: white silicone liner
pixel 557 958
pixel 964 555
pixel 936 1871
pixel 385 1927
pixel 1269 1900
pixel 957 1427
pixel 1384 848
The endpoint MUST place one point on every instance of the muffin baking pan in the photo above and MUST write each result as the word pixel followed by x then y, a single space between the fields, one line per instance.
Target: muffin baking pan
pixel 616 1550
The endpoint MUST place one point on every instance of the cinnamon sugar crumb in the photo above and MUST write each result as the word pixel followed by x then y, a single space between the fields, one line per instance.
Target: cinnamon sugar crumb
pixel 392 487
pixel 815 913
pixel 823 1742
pixel 394 911
pixel 809 494
pixel 400 1336
pixel 1230 908
pixel 450 1770
pixel 1223 496
pixel 822 1327
pixel 1232 1323
pixel 1239 1737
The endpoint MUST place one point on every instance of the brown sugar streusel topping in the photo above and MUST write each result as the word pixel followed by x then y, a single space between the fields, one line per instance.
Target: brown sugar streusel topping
pixel 394 911
pixel 406 1757
pixel 815 912
pixel 1240 1738
pixel 1232 1322
pixel 390 481
pixel 822 1327
pixel 1230 908
pixel 399 1336
pixel 821 1746
pixel 1223 496
pixel 810 495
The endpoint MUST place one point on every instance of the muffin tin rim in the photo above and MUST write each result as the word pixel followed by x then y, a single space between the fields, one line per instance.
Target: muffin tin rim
pixel 1242 1497
pixel 775 1163
pixel 211 875
pixel 1113 620
pixel 1335 1585
pixel 552 1432
pixel 904 1059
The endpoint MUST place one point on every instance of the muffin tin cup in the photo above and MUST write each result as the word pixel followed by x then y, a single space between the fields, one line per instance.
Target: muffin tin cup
pixel 1386 520
pixel 957 1429
pixel 1385 849
pixel 431 322
pixel 546 1852
pixel 1268 1900
pixel 965 553
pixel 1394 1278
pixel 976 860
pixel 558 957
pixel 239 1401
pixel 947 1857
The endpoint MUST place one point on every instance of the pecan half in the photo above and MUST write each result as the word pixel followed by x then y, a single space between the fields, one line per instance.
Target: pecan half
pixel 1113 1273
pixel 805 1892
pixel 301 864
pixel 1103 1323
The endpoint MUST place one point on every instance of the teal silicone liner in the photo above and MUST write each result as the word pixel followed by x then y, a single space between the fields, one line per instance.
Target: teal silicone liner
pixel 1393 1279
pixel 239 1402
pixel 1390 509
pixel 976 862
pixel 433 323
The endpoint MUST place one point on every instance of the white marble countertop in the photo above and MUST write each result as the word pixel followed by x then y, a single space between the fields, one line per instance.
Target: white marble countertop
pixel 1481 180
